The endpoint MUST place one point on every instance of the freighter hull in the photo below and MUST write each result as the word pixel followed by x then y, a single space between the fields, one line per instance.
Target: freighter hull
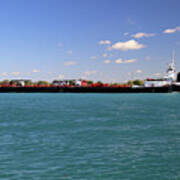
pixel 86 89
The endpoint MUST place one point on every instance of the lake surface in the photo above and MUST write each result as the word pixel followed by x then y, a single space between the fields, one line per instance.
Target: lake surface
pixel 90 136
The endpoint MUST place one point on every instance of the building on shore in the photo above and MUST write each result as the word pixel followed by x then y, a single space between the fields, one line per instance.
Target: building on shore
pixel 19 82
pixel 71 82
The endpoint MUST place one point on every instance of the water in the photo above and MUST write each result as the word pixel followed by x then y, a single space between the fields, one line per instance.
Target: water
pixel 90 136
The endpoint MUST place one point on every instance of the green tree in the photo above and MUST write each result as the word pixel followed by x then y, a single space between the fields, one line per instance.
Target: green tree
pixel 99 82
pixel 28 83
pixel 130 83
pixel 138 82
pixel 42 83
pixel 90 82
pixel 72 82
pixel 115 84
pixel 15 83
pixel 6 81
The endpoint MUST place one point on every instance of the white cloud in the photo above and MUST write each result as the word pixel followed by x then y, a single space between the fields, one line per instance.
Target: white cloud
pixel 119 61
pixel 127 45
pixel 127 61
pixel 15 73
pixel 61 76
pixel 88 73
pixel 104 42
pixel 139 71
pixel 4 74
pixel 141 35
pixel 173 30
pixel 69 52
pixel 104 55
pixel 107 61
pixel 169 31
pixel 35 71
pixel 70 63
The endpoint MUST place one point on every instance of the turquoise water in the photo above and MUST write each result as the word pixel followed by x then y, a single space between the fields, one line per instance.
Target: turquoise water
pixel 90 136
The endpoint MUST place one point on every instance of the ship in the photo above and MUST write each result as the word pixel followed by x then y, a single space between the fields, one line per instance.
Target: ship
pixel 168 80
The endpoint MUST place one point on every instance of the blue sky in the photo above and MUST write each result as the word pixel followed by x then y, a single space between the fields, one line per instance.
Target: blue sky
pixel 108 40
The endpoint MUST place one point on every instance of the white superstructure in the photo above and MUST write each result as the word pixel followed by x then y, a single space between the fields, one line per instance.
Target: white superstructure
pixel 171 71
pixel 168 79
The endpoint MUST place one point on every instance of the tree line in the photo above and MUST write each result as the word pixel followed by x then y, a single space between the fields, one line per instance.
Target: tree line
pixel 71 82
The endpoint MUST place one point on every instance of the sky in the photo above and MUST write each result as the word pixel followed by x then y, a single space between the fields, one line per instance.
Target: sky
pixel 106 40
